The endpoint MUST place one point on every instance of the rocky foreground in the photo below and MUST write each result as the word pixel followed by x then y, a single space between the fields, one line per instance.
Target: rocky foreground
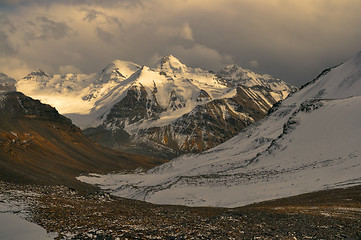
pixel 333 214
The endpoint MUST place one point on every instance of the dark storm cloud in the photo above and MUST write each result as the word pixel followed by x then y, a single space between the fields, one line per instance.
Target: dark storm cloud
pixel 6 27
pixel 44 28
pixel 91 15
pixel 105 3
pixel 6 47
pixel 104 35
pixel 5 23
pixel 52 29
pixel 292 40
pixel 289 39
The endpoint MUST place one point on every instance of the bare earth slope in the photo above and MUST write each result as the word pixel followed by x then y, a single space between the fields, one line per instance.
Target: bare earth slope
pixel 39 145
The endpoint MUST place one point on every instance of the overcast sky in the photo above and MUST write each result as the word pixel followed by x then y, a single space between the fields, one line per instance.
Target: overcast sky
pixel 292 40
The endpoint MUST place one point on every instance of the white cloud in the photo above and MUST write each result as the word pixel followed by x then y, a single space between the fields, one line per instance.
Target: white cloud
pixel 187 32
pixel 104 35
pixel 201 56
pixel 14 67
pixel 173 33
pixel 68 69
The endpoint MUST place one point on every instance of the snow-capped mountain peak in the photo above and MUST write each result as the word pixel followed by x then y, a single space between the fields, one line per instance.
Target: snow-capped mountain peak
pixel 117 70
pixel 234 75
pixel 343 83
pixel 171 64
pixel 39 76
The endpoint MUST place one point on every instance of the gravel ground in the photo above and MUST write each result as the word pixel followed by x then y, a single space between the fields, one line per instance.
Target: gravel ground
pixel 332 214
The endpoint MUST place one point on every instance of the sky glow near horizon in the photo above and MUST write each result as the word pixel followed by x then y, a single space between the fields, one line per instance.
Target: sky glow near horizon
pixel 291 40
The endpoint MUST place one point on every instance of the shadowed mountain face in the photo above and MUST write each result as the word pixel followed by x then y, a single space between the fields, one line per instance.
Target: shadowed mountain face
pixel 39 145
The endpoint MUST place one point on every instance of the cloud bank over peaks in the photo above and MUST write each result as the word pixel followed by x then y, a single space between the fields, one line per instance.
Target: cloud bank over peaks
pixel 291 40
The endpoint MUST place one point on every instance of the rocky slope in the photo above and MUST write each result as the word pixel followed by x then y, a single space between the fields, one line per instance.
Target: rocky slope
pixel 165 110
pixel 66 214
pixel 309 142
pixel 39 145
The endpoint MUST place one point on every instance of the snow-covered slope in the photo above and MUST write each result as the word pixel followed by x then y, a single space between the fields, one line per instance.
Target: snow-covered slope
pixel 309 142
pixel 234 75
pixel 146 105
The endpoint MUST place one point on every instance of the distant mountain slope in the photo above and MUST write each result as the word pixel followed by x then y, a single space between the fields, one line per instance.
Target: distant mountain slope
pixel 309 142
pixel 7 83
pixel 38 145
pixel 170 107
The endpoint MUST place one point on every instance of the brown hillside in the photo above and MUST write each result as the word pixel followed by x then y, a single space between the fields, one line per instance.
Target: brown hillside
pixel 39 145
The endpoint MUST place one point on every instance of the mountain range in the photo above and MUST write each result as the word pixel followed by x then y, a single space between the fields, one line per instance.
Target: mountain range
pixel 309 142
pixel 162 111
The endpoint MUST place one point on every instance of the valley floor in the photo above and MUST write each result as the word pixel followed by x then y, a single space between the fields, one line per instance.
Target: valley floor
pixel 67 214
